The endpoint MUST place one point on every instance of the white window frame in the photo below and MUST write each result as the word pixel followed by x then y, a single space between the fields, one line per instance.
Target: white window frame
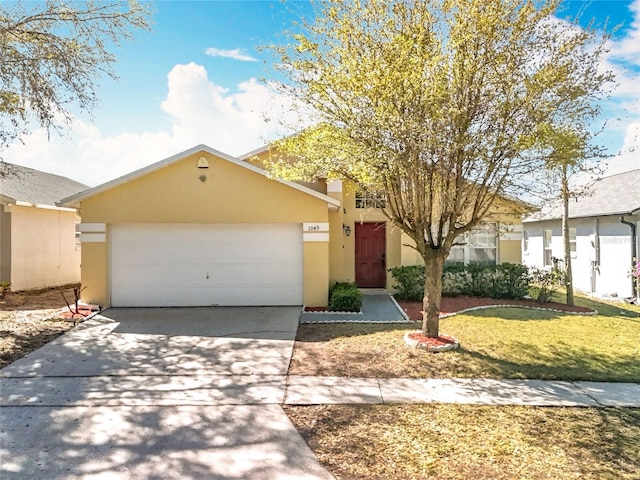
pixel 547 247
pixel 370 200
pixel 78 243
pixel 573 243
pixel 488 230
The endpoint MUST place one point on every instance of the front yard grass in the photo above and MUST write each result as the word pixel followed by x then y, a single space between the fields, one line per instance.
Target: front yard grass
pixel 494 343
pixel 465 441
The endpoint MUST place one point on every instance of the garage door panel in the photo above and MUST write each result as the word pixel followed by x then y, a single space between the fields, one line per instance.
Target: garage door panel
pixel 194 265
pixel 197 296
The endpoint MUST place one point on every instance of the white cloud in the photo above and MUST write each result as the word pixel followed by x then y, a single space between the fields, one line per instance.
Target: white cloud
pixel 204 112
pixel 629 47
pixel 235 54
pixel 200 112
pixel 629 156
pixel 623 109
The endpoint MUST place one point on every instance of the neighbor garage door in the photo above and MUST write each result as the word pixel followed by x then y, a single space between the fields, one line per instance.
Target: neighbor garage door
pixel 201 265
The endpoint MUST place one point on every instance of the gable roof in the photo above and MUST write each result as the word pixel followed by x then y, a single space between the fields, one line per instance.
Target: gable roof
pixel 252 153
pixel 73 200
pixel 29 186
pixel 614 195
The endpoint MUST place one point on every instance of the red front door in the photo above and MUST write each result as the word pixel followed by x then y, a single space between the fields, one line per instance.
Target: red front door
pixel 371 263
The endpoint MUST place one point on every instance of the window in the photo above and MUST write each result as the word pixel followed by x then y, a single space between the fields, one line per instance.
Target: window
pixel 547 251
pixel 78 244
pixel 480 247
pixel 573 244
pixel 370 200
pixel 525 242
pixel 482 244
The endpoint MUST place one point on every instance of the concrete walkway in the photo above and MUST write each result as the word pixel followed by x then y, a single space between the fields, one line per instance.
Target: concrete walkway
pixel 376 308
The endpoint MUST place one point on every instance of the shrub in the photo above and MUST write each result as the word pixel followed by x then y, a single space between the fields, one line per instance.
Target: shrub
pixel 410 280
pixel 455 279
pixel 506 280
pixel 510 281
pixel 345 297
pixel 546 283
pixel 480 280
pixel 5 287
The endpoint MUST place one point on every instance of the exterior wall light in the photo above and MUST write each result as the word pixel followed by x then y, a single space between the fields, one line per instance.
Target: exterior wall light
pixel 203 163
pixel 347 229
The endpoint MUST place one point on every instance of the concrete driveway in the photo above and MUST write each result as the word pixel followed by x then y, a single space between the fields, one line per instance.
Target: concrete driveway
pixel 157 393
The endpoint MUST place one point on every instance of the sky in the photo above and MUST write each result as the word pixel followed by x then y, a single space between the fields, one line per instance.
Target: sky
pixel 196 78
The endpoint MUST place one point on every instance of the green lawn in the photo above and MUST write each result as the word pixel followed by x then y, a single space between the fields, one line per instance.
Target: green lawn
pixel 471 441
pixel 495 343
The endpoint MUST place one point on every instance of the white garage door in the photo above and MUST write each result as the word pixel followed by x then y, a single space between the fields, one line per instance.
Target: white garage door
pixel 200 265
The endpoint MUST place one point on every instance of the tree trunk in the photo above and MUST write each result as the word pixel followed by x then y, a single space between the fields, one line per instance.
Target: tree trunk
pixel 568 275
pixel 434 265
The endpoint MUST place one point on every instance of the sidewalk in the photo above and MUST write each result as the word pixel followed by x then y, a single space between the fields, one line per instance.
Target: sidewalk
pixel 217 390
pixel 303 390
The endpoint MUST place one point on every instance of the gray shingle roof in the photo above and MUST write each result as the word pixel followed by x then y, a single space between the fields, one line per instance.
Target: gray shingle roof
pixel 33 186
pixel 615 195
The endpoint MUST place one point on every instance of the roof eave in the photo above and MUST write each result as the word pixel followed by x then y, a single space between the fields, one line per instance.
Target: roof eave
pixel 575 217
pixel 252 153
pixel 74 200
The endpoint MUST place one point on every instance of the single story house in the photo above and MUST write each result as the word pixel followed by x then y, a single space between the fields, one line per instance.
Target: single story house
pixel 204 228
pixel 38 243
pixel 603 231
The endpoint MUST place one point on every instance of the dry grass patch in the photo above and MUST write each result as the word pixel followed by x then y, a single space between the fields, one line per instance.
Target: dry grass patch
pixel 479 442
pixel 25 324
pixel 494 343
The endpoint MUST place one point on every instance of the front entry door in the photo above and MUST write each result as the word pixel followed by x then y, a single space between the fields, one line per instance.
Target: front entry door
pixel 371 263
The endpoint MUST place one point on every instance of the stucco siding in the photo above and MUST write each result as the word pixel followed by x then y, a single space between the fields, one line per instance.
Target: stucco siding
pixel 229 194
pixel 316 273
pixel 509 248
pixel 43 248
pixel 602 260
pixel 509 251
pixel 5 244
pixel 343 246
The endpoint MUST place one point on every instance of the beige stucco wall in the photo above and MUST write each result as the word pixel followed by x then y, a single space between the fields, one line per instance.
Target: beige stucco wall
pixel 229 194
pixel 509 242
pixel 342 247
pixel 5 243
pixel 399 252
pixel 510 251
pixel 43 248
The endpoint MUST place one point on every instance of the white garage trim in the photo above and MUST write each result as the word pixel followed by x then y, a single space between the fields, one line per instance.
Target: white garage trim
pixel 206 264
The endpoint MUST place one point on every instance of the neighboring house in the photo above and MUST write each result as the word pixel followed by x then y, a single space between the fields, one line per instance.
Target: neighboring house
pixel 603 232
pixel 38 244
pixel 203 228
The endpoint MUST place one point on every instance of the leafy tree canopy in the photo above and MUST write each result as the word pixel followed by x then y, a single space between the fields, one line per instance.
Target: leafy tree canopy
pixel 51 53
pixel 438 104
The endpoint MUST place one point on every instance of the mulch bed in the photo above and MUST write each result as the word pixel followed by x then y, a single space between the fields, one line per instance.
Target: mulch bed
pixel 79 314
pixel 450 305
